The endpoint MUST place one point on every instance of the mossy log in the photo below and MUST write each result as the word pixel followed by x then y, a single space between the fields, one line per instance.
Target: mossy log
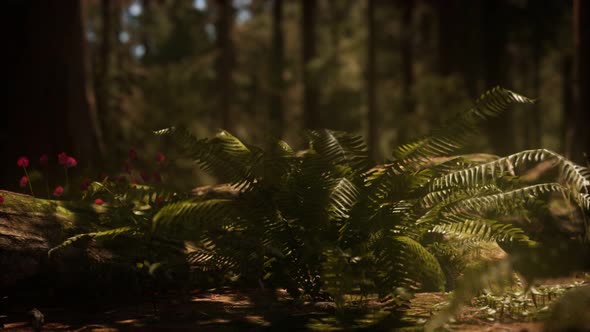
pixel 30 227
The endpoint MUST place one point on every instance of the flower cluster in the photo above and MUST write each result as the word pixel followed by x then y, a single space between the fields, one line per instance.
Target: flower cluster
pixel 67 162
pixel 63 160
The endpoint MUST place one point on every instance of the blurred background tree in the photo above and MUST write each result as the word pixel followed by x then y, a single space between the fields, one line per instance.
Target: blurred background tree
pixel 94 78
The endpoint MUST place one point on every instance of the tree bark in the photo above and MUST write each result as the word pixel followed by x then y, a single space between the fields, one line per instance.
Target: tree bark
pixel 406 66
pixel 49 106
pixel 373 141
pixel 277 116
pixel 581 140
pixel 500 129
pixel 311 117
pixel 569 122
pixel 225 61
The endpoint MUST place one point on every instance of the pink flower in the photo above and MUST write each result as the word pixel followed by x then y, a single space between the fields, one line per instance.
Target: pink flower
pixel 145 176
pixel 160 157
pixel 132 154
pixel 58 191
pixel 127 167
pixel 22 162
pixel 44 160
pixel 62 158
pixel 98 201
pixel 85 184
pixel 1 199
pixel 71 162
pixel 23 181
pixel 157 177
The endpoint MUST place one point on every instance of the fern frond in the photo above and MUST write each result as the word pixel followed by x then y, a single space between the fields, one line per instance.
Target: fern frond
pixel 340 148
pixel 195 216
pixel 505 200
pixel 402 261
pixel 479 229
pixel 206 260
pixel 421 264
pixel 223 156
pixel 455 132
pixel 576 176
pixel 111 233
pixel 343 196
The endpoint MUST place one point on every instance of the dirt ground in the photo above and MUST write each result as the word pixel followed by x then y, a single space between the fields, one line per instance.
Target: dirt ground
pixel 235 310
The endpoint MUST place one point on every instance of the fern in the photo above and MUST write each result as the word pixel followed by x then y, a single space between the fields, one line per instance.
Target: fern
pixel 575 176
pixel 455 132
pixel 111 233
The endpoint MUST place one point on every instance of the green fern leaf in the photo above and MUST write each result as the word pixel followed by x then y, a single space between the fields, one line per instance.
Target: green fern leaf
pixel 94 235
pixel 455 132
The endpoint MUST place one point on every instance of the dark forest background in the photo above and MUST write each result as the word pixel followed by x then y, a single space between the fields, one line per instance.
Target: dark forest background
pixel 95 78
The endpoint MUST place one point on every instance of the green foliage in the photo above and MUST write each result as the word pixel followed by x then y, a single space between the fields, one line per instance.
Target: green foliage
pixel 324 223
pixel 309 217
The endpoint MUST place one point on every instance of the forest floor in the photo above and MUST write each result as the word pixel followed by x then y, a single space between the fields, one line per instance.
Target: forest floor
pixel 248 310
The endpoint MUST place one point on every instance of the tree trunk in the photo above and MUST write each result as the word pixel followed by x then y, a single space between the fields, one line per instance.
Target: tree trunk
pixel 311 117
pixel 103 69
pixel 373 140
pixel 581 141
pixel 500 129
pixel 225 61
pixel 277 116
pixel 406 67
pixel 569 122
pixel 50 103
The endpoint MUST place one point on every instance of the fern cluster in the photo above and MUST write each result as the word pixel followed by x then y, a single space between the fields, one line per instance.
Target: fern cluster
pixel 327 222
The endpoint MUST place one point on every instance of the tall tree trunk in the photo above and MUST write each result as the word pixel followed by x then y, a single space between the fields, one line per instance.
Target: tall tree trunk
pixel 458 47
pixel 103 67
pixel 581 142
pixel 49 106
pixel 311 117
pixel 225 61
pixel 534 114
pixel 277 116
pixel 569 121
pixel 448 15
pixel 373 141
pixel 500 129
pixel 406 66
pixel 86 101
pixel 534 128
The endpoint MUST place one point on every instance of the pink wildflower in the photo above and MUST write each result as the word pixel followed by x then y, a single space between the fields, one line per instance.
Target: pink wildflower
pixel 62 158
pixel 58 191
pixel 98 201
pixel 71 162
pixel 132 154
pixel 44 160
pixel 22 162
pixel 23 181
pixel 145 176
pixel 157 177
pixel 127 167
pixel 85 184
pixel 160 157
pixel 1 199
